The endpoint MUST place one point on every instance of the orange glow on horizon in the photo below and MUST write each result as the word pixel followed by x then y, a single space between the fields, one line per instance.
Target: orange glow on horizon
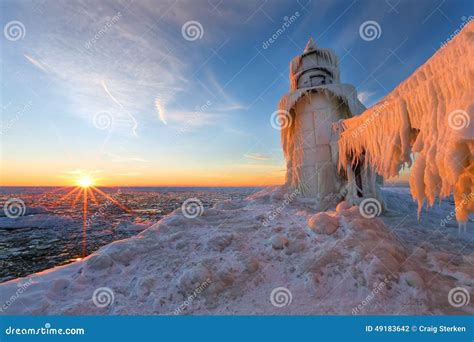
pixel 251 174
pixel 172 173
pixel 177 180
pixel 105 174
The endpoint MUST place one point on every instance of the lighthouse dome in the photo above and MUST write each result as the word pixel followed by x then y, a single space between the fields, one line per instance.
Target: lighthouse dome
pixel 315 67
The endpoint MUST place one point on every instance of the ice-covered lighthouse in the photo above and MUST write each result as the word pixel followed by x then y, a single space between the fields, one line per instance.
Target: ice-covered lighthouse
pixel 307 114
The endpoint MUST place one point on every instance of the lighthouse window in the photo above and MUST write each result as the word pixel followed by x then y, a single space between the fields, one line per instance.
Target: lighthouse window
pixel 318 80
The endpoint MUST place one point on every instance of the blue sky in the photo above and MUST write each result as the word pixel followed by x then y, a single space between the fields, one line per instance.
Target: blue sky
pixel 113 88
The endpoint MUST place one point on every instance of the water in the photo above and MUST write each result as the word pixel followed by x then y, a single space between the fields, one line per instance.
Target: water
pixel 52 239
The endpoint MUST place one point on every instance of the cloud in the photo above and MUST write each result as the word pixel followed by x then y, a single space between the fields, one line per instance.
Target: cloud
pixel 129 58
pixel 228 103
pixel 35 63
pixel 194 119
pixel 130 116
pixel 257 156
pixel 128 174
pixel 114 158
pixel 102 64
pixel 110 95
pixel 364 96
pixel 160 108
pixel 82 172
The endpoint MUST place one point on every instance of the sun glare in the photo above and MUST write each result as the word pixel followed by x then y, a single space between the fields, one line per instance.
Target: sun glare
pixel 84 182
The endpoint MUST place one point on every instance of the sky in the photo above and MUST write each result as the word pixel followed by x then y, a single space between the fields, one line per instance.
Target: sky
pixel 181 93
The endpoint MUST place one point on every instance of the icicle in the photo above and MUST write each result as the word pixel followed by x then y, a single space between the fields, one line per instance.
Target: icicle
pixel 431 115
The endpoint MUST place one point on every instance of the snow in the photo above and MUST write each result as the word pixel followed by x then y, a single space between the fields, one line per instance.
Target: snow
pixel 126 226
pixel 389 265
pixel 325 58
pixel 306 114
pixel 345 92
pixel 430 116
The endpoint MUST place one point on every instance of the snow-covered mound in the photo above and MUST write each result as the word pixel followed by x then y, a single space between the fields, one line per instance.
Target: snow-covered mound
pixel 430 114
pixel 267 254
pixel 126 226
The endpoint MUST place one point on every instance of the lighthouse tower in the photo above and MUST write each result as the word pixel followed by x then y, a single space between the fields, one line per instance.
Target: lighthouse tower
pixel 307 113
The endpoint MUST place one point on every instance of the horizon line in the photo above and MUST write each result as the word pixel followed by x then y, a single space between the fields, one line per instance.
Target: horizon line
pixel 138 186
pixel 173 186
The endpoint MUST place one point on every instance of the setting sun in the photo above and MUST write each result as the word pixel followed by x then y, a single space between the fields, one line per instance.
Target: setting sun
pixel 84 182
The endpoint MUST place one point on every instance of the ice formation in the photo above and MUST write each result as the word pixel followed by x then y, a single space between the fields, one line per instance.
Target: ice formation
pixel 428 117
pixel 333 262
pixel 315 102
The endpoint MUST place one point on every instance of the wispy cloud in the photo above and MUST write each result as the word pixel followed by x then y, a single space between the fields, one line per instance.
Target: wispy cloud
pixel 257 156
pixel 160 108
pixel 194 119
pixel 115 158
pixel 130 60
pixel 130 116
pixel 110 95
pixel 228 103
pixel 35 63
pixel 82 172
pixel 122 72
pixel 128 174
pixel 364 96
